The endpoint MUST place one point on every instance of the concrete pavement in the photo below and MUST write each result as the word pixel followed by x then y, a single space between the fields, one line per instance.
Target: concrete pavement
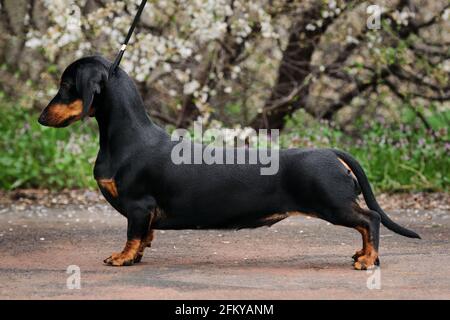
pixel 298 258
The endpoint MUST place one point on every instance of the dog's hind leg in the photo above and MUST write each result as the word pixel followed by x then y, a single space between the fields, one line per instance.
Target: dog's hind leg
pixel 367 257
pixel 367 222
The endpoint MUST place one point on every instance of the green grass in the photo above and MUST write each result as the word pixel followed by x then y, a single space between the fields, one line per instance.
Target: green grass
pixel 33 156
pixel 396 157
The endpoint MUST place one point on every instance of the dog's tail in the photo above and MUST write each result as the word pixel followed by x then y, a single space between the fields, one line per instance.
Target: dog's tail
pixel 369 197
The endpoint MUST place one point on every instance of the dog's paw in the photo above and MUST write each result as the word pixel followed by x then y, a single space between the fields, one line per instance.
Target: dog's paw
pixel 358 254
pixel 119 260
pixel 138 257
pixel 358 265
pixel 128 255
pixel 364 263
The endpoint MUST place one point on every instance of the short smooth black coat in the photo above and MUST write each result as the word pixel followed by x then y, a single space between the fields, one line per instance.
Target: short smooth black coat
pixel 136 154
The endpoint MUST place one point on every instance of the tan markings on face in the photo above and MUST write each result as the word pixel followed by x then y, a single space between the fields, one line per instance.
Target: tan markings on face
pixel 347 167
pixel 109 185
pixel 58 113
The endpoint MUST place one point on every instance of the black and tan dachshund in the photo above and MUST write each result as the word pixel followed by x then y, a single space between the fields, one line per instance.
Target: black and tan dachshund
pixel 136 175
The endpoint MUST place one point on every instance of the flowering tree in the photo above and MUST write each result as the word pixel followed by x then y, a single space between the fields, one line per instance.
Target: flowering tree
pixel 406 56
pixel 239 62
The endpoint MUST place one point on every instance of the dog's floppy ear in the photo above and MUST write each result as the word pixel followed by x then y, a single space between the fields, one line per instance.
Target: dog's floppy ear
pixel 89 81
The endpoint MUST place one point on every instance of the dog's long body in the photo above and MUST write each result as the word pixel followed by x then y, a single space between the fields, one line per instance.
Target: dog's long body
pixel 138 178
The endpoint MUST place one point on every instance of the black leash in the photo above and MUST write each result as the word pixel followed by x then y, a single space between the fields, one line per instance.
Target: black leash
pixel 119 56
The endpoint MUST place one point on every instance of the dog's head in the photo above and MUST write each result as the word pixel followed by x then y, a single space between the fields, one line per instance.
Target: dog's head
pixel 80 82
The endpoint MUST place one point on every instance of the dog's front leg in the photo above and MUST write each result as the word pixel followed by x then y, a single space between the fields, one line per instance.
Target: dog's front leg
pixel 147 239
pixel 138 226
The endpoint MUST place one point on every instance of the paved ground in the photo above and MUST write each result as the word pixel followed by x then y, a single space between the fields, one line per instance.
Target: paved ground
pixel 299 258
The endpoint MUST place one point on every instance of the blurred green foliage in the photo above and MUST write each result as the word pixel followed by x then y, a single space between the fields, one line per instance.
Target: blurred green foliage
pixel 396 157
pixel 33 156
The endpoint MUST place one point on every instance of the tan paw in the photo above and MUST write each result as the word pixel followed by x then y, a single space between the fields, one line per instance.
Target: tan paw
pixel 119 260
pixel 358 254
pixel 366 262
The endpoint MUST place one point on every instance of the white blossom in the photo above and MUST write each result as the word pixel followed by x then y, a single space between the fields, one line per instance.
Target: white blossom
pixel 191 87
pixel 310 27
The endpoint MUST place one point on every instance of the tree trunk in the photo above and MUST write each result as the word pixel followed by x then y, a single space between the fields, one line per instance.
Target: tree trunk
pixel 19 63
pixel 292 85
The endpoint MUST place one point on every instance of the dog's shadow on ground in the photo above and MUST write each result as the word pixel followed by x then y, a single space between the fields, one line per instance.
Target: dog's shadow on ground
pixel 228 274
pixel 305 262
